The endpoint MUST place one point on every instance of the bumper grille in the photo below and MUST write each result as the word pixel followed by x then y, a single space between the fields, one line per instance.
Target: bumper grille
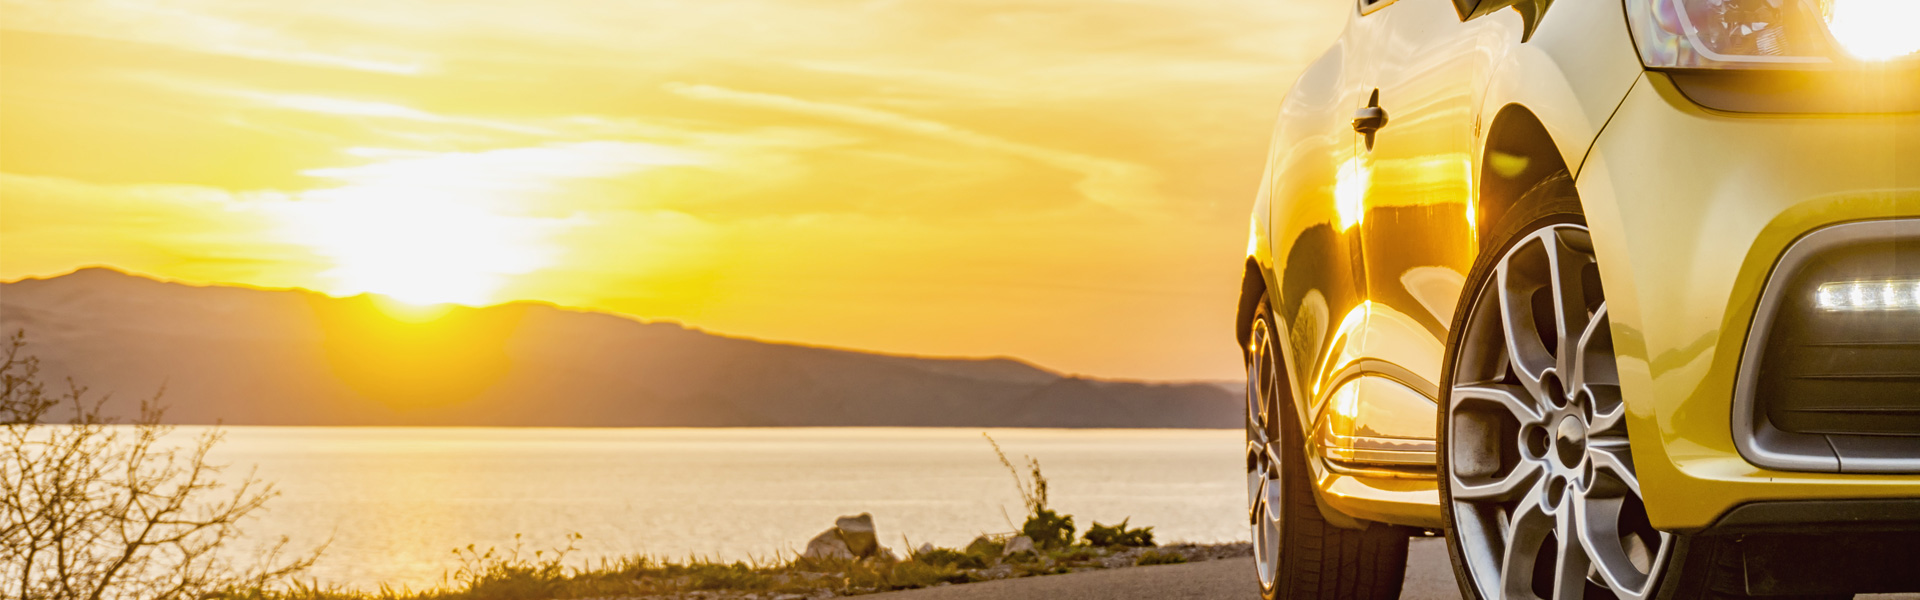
pixel 1852 373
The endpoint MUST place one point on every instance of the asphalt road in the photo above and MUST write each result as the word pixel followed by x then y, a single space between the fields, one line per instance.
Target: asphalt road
pixel 1429 577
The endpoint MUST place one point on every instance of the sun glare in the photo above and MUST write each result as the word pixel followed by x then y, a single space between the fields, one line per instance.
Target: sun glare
pixel 1350 192
pixel 417 250
pixel 429 228
pixel 1876 29
pixel 420 230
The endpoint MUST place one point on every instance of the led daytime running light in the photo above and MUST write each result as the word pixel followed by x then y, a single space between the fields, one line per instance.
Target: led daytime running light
pixel 1850 296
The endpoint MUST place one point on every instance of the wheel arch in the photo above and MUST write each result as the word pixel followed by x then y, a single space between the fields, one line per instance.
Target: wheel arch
pixel 1519 154
pixel 1253 287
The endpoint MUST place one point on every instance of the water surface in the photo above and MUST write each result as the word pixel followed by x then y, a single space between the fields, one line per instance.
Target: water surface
pixel 396 501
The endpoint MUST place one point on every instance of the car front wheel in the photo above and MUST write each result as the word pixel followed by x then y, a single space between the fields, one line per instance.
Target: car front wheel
pixel 1538 486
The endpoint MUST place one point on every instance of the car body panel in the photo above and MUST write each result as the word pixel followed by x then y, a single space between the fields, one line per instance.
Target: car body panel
pixel 1364 251
pixel 1304 238
pixel 1572 76
pixel 1687 235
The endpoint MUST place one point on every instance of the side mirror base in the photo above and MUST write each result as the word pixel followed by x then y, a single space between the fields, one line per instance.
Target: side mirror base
pixel 1531 11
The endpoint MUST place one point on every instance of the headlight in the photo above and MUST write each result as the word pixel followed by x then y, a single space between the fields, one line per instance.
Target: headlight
pixel 1774 34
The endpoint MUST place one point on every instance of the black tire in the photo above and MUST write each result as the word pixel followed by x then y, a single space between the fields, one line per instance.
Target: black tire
pixel 1318 560
pixel 1695 568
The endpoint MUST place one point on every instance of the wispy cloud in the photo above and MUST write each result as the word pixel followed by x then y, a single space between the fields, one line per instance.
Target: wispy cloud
pixel 1114 183
pixel 384 110
pixel 492 175
pixel 205 29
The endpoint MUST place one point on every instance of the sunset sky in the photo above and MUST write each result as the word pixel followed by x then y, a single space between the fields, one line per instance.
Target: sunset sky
pixel 1062 181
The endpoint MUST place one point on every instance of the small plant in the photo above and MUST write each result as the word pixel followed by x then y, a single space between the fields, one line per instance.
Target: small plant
pixel 510 574
pixel 1156 557
pixel 1077 554
pixel 948 557
pixel 725 576
pixel 1048 529
pixel 1107 536
pixel 916 574
pixel 1045 527
pixel 986 548
pixel 1039 567
pixel 1034 493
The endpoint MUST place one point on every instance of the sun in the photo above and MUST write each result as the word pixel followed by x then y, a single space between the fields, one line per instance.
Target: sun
pixel 427 227
pixel 420 232
pixel 417 251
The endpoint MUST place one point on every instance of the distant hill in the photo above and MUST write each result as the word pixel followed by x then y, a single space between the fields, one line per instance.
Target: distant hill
pixel 258 357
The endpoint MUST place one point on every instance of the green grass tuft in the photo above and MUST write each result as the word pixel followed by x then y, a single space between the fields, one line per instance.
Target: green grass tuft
pixel 1156 557
pixel 948 557
pixel 1119 535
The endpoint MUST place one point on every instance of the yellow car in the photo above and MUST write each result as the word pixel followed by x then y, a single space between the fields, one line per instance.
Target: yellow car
pixel 1620 296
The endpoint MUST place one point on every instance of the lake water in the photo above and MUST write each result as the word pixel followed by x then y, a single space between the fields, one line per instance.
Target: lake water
pixel 395 502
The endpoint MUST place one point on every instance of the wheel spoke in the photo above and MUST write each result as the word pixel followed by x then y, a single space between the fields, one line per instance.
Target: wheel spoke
pixel 1272 496
pixel 1521 479
pixel 1609 412
pixel 1566 266
pixel 1527 530
pixel 1256 509
pixel 1264 545
pixel 1606 547
pixel 1256 483
pixel 1612 468
pixel 1514 400
pixel 1269 389
pixel 1594 363
pixel 1570 558
pixel 1476 453
pixel 1263 514
pixel 1528 356
pixel 1258 388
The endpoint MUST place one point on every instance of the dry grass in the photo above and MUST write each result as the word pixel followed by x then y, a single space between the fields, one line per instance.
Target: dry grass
pixel 544 576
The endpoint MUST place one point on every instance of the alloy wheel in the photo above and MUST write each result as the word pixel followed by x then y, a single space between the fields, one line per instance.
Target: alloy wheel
pixel 1541 485
pixel 1264 480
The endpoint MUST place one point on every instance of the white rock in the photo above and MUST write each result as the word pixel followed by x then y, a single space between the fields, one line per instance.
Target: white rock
pixel 857 532
pixel 1018 544
pixel 925 548
pixel 828 545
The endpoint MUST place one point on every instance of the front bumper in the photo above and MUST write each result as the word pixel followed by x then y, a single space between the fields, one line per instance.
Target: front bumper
pixel 1690 210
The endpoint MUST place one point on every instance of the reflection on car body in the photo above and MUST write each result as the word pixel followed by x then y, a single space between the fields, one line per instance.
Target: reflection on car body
pixel 1620 296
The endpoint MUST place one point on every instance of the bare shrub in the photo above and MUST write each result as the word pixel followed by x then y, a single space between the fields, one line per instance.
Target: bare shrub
pixel 1045 527
pixel 92 509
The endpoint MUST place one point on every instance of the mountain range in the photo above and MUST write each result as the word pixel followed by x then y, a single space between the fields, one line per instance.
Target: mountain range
pixel 245 356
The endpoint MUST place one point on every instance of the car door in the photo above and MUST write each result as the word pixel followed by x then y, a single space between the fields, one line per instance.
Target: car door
pixel 1319 293
pixel 1418 226
pixel 1416 229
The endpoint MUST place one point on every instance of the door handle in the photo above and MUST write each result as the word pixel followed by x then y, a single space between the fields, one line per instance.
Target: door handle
pixel 1369 120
